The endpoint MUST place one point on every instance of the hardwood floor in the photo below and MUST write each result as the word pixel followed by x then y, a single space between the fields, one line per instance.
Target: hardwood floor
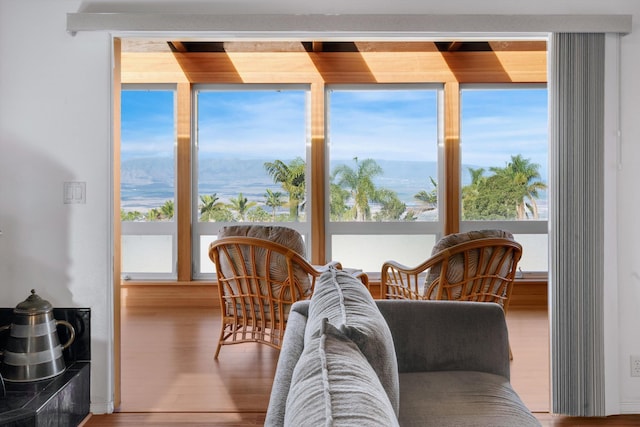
pixel 168 364
pixel 169 376
pixel 529 338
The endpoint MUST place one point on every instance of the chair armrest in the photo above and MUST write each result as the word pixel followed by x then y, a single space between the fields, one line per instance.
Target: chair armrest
pixel 448 336
pixel 363 277
pixel 422 267
pixel 399 281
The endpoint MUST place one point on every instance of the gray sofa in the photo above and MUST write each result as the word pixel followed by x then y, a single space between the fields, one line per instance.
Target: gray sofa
pixel 451 364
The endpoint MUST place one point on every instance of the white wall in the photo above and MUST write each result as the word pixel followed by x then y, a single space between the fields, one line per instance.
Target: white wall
pixel 628 225
pixel 54 127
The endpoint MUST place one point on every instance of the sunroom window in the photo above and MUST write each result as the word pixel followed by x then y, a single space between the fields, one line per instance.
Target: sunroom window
pixel 504 146
pixel 367 166
pixel 251 143
pixel 383 173
pixel 147 176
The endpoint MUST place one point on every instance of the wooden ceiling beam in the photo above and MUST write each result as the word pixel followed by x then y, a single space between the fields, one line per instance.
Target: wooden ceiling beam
pixel 178 46
pixel 454 46
pixel 335 67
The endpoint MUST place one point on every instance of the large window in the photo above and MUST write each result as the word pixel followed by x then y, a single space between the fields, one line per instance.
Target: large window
pixel 383 191
pixel 504 165
pixel 252 160
pixel 148 179
pixel 371 150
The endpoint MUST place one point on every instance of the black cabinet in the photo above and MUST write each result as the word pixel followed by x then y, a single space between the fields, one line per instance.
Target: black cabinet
pixel 62 401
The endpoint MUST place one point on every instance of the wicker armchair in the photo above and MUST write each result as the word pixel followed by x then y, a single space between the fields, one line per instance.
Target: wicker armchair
pixel 476 266
pixel 258 280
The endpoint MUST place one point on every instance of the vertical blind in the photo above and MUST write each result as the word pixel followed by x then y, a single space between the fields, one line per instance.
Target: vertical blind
pixel 576 92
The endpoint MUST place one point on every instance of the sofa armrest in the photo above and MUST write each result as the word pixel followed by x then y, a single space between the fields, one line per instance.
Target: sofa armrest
pixel 292 346
pixel 448 336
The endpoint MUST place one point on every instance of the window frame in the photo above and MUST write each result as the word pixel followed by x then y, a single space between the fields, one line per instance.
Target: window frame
pixel 337 228
pixel 156 228
pixel 311 68
pixel 535 227
pixel 200 228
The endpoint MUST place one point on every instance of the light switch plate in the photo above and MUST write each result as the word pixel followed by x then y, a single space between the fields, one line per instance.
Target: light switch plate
pixel 75 192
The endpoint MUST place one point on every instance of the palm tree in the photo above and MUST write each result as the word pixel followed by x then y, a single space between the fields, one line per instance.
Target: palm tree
pixel 153 215
pixel 291 177
pixel 338 204
pixel 258 215
pixel 429 201
pixel 166 210
pixel 273 199
pixel 476 176
pixel 241 205
pixel 471 192
pixel 525 176
pixel 392 207
pixel 430 198
pixel 210 208
pixel 131 215
pixel 359 182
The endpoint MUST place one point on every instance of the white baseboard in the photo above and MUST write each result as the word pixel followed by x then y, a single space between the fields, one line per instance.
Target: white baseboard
pixel 630 407
pixel 101 408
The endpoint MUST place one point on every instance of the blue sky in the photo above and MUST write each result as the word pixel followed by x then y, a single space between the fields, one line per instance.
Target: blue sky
pixel 497 124
pixel 383 124
pixel 252 123
pixel 388 124
pixel 148 125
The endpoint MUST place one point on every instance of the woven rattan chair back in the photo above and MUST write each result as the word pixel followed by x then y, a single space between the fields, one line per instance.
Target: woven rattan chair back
pixel 480 270
pixel 258 280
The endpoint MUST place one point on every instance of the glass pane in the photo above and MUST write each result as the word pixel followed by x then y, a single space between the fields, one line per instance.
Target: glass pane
pixel 206 265
pixel 147 172
pixel 251 155
pixel 383 154
pixel 504 154
pixel 147 254
pixel 535 252
pixel 369 252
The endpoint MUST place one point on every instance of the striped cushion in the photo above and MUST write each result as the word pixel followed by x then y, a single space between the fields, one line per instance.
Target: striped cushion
pixel 278 268
pixel 455 272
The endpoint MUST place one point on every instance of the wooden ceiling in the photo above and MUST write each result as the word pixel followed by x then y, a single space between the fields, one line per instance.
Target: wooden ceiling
pixel 144 45
pixel 188 61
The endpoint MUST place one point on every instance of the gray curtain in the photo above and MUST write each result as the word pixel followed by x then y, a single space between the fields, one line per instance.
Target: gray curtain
pixel 576 93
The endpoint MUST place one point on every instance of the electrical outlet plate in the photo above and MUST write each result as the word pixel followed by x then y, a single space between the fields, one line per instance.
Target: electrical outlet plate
pixel 635 365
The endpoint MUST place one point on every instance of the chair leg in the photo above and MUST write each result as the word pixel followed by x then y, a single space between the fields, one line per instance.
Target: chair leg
pixel 220 339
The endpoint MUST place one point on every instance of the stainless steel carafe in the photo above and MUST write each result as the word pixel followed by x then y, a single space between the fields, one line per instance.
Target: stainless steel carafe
pixel 33 351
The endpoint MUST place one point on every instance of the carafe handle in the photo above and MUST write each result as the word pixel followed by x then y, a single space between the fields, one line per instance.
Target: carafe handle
pixel 72 331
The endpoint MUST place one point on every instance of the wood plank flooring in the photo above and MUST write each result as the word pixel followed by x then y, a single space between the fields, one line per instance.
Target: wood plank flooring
pixel 168 364
pixel 529 338
pixel 169 376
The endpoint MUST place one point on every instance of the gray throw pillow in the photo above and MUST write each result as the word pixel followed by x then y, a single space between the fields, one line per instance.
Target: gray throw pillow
pixel 347 303
pixel 334 385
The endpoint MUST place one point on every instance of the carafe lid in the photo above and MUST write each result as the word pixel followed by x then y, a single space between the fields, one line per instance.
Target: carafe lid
pixel 33 304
